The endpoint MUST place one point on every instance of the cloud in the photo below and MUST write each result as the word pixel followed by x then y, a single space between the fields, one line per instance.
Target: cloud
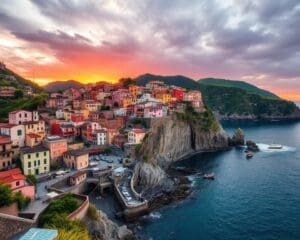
pixel 231 38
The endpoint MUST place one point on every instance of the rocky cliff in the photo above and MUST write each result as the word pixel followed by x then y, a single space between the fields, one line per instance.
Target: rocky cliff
pixel 173 138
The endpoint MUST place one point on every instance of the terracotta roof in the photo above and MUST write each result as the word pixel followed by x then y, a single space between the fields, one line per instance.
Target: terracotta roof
pixel 33 135
pixel 4 140
pixel 137 130
pixel 11 175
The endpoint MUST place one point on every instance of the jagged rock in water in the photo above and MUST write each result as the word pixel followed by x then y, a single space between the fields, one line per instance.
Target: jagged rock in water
pixel 252 146
pixel 238 138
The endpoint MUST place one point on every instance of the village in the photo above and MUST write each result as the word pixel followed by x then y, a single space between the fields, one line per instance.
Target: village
pixel 81 137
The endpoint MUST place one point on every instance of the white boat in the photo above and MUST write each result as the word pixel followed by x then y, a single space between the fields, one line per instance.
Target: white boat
pixel 275 146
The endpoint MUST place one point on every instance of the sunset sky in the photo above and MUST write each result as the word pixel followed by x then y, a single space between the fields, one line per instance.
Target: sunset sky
pixel 257 40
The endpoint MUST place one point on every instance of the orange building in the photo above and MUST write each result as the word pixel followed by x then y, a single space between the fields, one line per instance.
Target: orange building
pixel 76 159
pixel 57 147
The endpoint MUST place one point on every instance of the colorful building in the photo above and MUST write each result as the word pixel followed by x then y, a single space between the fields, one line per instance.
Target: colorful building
pixel 35 160
pixel 15 132
pixel 17 182
pixel 21 116
pixel 77 178
pixel 76 159
pixel 33 139
pixel 178 93
pixel 37 127
pixel 57 147
pixel 6 153
pixel 136 136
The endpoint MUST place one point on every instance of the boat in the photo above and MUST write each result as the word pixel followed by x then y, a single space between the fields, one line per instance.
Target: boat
pixel 210 176
pixel 249 155
pixel 275 146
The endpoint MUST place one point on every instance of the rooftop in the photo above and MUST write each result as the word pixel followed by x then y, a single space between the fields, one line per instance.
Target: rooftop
pixel 11 175
pixel 4 140
pixel 77 152
pixel 34 149
pixel 33 135
pixel 137 130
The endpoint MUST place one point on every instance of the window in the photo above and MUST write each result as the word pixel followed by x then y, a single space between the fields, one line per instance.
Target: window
pixel 45 168
pixel 17 183
pixel 37 154
pixel 34 163
pixel 45 161
pixel 45 153
pixel 26 115
pixel 28 156
pixel 29 164
pixel 39 162
pixel 19 132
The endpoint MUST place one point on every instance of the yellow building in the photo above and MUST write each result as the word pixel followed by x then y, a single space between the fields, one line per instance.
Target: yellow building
pixel 129 100
pixel 37 127
pixel 35 160
pixel 84 112
pixel 165 97
pixel 134 90
pixel 76 159
pixel 67 115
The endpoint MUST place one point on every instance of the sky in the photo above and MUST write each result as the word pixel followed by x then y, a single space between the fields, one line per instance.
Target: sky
pixel 257 41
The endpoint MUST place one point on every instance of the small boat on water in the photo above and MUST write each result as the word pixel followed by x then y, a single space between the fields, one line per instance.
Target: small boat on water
pixel 210 176
pixel 249 155
pixel 275 146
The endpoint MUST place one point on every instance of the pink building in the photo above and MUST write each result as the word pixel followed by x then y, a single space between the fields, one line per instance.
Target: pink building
pixel 57 147
pixel 195 98
pixel 21 116
pixel 17 181
pixel 153 112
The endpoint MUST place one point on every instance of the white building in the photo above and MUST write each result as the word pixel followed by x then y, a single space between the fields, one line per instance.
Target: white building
pixel 59 114
pixel 120 112
pixel 136 136
pixel 21 116
pixel 101 137
pixel 16 132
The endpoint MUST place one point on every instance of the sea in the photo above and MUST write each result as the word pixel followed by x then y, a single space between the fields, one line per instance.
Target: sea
pixel 250 199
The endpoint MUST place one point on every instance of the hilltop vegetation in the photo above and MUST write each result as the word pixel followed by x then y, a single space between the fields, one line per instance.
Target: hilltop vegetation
pixel 232 99
pixel 31 103
pixel 237 84
pixel 62 85
pixel 10 79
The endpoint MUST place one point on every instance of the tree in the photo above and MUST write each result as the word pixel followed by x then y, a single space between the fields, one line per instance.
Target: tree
pixel 18 94
pixel 126 81
pixel 6 196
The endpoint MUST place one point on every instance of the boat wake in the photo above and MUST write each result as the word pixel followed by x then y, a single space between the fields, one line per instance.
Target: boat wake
pixel 265 148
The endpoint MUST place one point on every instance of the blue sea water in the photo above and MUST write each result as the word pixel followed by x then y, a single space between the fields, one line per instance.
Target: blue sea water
pixel 251 199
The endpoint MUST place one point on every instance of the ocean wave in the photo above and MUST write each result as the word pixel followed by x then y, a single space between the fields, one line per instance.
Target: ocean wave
pixel 155 215
pixel 192 179
pixel 265 148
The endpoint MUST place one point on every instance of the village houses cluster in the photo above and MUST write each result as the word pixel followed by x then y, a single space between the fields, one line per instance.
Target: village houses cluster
pixel 74 122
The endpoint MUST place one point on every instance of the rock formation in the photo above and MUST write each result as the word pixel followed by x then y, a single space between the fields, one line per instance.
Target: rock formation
pixel 238 138
pixel 170 139
pixel 252 146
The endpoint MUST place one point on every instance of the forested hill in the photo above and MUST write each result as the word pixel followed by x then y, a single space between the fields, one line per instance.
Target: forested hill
pixel 232 102
pixel 237 84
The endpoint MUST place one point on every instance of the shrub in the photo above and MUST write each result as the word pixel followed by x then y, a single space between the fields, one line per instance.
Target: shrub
pixel 21 200
pixel 6 196
pixel 92 213
pixel 31 178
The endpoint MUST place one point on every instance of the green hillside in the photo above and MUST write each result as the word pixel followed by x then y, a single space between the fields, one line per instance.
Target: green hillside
pixel 10 79
pixel 20 101
pixel 232 102
pixel 237 84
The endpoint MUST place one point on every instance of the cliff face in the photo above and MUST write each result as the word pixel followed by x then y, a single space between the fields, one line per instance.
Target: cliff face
pixel 171 139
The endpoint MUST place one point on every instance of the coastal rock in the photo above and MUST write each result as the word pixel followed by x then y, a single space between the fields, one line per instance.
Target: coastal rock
pixel 238 138
pixel 105 229
pixel 172 138
pixel 252 146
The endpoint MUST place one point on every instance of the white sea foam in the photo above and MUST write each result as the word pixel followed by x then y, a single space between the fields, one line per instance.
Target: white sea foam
pixel 155 215
pixel 192 179
pixel 265 148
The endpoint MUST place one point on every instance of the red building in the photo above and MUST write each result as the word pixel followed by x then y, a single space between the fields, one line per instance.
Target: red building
pixel 178 93
pixel 64 129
